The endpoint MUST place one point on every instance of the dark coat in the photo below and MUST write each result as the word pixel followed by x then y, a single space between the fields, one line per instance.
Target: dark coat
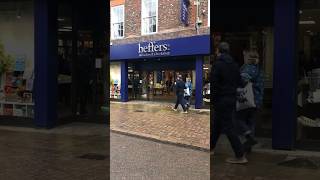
pixel 180 86
pixel 225 79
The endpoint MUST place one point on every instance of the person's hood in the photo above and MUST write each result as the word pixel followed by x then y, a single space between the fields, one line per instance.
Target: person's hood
pixel 226 58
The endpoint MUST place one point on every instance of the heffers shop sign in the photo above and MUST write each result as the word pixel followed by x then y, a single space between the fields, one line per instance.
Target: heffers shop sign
pixel 186 46
pixel 153 49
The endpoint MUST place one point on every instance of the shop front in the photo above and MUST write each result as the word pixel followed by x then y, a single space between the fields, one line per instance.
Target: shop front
pixel 148 70
pixel 286 35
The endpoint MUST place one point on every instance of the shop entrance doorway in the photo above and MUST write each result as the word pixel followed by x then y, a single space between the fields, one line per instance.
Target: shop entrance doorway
pixel 155 85
pixel 257 41
pixel 82 66
pixel 150 82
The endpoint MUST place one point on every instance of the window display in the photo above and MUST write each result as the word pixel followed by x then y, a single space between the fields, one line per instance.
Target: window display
pixel 115 81
pixel 16 86
pixel 308 93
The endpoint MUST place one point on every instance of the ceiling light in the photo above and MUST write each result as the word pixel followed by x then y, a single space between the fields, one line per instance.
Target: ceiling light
pixel 307 22
pixel 65 30
pixel 67 27
pixel 60 19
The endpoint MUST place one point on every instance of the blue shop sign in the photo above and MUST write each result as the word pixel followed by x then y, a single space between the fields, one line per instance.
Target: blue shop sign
pixel 184 13
pixel 194 45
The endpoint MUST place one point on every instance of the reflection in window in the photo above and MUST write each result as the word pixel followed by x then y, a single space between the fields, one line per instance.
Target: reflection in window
pixel 117 22
pixel 149 15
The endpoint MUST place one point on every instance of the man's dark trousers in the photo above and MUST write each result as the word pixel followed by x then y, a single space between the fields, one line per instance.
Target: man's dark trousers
pixel 180 100
pixel 223 123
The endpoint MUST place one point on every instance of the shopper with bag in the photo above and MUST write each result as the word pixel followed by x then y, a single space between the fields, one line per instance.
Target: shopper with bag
pixel 188 91
pixel 180 87
pixel 225 80
pixel 249 101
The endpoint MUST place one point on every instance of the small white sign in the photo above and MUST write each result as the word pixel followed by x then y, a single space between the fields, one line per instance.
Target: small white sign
pixel 98 63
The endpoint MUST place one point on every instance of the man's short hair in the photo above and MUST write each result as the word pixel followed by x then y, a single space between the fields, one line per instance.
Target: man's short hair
pixel 224 47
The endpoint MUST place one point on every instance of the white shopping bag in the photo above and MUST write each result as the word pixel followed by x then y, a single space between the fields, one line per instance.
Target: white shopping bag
pixel 187 92
pixel 246 98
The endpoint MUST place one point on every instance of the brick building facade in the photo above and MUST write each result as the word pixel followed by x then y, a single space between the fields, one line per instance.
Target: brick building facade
pixel 154 41
pixel 169 23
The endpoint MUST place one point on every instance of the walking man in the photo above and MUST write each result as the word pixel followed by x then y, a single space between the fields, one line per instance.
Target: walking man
pixel 180 86
pixel 225 80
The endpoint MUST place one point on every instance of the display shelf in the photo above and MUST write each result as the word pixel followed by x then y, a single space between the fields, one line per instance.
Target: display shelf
pixel 17 109
pixel 16 103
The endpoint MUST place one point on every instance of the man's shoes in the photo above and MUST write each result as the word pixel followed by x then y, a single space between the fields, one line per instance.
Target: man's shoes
pixel 174 109
pixel 241 160
pixel 185 112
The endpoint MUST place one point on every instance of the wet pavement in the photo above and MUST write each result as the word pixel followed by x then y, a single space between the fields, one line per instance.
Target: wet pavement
pixel 265 165
pixel 160 122
pixel 81 151
pixel 32 154
pixel 140 159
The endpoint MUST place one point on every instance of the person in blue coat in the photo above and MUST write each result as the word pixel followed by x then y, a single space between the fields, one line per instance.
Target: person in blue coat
pixel 188 91
pixel 246 118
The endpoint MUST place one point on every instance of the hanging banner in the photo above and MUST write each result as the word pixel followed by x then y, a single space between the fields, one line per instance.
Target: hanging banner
pixel 184 13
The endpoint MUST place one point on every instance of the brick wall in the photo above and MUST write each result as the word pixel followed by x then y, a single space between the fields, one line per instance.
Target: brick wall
pixel 116 2
pixel 169 25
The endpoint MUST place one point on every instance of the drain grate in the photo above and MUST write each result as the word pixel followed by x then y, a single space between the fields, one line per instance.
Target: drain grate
pixel 300 163
pixel 93 156
pixel 139 111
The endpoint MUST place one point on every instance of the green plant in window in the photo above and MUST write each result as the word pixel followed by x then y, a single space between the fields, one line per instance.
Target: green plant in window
pixel 6 61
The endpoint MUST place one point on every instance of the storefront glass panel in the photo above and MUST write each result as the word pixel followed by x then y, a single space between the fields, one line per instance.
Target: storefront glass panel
pixel 258 41
pixel 17 60
pixel 308 95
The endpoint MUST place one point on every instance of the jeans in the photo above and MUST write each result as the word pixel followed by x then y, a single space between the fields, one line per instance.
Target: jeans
pixel 245 121
pixel 223 123
pixel 180 100
pixel 187 98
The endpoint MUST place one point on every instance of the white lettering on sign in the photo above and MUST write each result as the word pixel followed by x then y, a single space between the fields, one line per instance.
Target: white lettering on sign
pixel 154 49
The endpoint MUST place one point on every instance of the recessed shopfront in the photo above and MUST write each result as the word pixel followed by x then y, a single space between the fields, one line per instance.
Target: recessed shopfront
pixel 148 69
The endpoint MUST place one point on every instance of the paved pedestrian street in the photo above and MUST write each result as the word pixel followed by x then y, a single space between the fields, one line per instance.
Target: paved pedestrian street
pixel 77 151
pixel 265 164
pixel 160 122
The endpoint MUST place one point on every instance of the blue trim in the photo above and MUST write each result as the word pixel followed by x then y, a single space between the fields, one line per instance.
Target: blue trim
pixel 284 80
pixel 194 45
pixel 124 81
pixel 199 82
pixel 45 89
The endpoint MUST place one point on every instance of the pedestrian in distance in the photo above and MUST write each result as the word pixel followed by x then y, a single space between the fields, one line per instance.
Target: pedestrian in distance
pixel 188 92
pixel 180 87
pixel 225 81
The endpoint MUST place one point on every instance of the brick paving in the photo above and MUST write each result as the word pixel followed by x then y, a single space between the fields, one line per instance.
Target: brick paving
pixel 160 122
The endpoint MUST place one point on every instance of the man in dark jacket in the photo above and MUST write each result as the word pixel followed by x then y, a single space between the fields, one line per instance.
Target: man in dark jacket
pixel 225 80
pixel 180 86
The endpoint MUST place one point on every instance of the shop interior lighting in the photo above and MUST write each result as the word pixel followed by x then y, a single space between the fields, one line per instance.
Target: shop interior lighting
pixel 64 30
pixel 60 19
pixel 67 27
pixel 205 68
pixel 307 22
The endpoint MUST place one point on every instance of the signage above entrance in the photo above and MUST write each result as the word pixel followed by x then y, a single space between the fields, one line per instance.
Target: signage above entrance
pixel 184 11
pixel 187 46
pixel 153 49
